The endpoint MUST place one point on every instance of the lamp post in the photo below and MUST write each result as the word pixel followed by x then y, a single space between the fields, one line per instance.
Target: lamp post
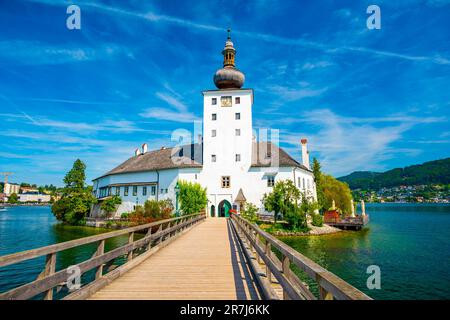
pixel 177 191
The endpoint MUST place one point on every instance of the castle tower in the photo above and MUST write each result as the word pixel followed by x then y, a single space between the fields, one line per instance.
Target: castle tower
pixel 227 127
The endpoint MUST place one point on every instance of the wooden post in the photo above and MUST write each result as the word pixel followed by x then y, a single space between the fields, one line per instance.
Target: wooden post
pixel 159 231
pixel 130 240
pixel 50 267
pixel 257 241
pixel 149 233
pixel 286 270
pixel 268 255
pixel 100 251
pixel 325 295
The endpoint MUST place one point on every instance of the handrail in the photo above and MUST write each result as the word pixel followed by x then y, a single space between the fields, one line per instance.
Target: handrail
pixel 50 278
pixel 330 285
pixel 34 253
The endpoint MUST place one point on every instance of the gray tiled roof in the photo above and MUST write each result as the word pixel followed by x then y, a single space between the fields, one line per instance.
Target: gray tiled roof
pixel 264 154
pixel 190 156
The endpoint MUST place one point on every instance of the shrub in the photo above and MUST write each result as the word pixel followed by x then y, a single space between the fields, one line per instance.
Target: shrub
pixel 110 204
pixel 125 215
pixel 295 216
pixel 152 210
pixel 317 220
pixel 284 194
pixel 250 212
pixel 192 197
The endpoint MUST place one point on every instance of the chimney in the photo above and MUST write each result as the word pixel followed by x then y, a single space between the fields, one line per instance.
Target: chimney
pixel 137 152
pixel 144 148
pixel 305 153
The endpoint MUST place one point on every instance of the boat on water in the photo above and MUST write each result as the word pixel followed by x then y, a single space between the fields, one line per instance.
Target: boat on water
pixel 2 208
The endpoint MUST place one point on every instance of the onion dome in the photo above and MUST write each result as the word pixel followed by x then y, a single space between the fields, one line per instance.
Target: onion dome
pixel 229 77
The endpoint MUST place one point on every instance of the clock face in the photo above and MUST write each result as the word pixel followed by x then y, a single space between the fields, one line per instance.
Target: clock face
pixel 225 101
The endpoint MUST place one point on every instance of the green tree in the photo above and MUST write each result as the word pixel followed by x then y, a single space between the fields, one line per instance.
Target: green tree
pixel 110 204
pixel 283 195
pixel 250 212
pixel 13 198
pixel 76 198
pixel 192 197
pixel 338 191
pixel 319 186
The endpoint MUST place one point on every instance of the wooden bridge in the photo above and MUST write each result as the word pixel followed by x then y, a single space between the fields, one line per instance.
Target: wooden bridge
pixel 189 257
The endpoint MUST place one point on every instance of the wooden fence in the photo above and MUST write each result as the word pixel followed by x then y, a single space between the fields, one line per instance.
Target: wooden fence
pixel 166 231
pixel 261 245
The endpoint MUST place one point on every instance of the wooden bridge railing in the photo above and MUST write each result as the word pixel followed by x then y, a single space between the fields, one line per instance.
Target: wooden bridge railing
pixel 261 244
pixel 49 278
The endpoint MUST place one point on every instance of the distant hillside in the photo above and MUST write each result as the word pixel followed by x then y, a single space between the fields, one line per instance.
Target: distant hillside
pixel 437 171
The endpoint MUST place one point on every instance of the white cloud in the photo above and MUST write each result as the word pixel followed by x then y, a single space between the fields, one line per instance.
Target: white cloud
pixel 37 53
pixel 169 115
pixel 346 144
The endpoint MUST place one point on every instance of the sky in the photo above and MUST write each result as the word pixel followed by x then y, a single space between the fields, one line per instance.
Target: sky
pixel 134 72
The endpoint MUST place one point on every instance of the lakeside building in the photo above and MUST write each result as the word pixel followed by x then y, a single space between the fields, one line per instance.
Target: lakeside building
pixel 33 196
pixel 10 188
pixel 227 160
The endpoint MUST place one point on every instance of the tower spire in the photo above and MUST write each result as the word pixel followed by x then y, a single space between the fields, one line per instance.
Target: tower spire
pixel 229 77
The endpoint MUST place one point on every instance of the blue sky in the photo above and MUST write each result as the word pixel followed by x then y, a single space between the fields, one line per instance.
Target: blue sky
pixel 365 99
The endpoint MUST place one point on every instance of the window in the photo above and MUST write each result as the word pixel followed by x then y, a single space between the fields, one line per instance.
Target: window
pixel 237 100
pixel 225 181
pixel 213 133
pixel 214 116
pixel 144 191
pixel 153 190
pixel 237 116
pixel 299 182
pixel 109 191
pixel 166 190
pixel 308 183
pixel 214 101
pixel 213 158
pixel 238 132
pixel 270 181
pixel 134 190
pixel 238 157
pixel 304 184
pixel 117 191
pixel 125 192
pixel 162 191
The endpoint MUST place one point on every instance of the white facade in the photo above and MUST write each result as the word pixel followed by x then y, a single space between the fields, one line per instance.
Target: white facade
pixel 10 188
pixel 230 159
pixel 33 197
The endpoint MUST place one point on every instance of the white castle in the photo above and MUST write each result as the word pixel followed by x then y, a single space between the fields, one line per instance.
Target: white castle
pixel 227 160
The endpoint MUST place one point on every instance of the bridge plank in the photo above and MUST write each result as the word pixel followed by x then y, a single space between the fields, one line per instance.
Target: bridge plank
pixel 202 264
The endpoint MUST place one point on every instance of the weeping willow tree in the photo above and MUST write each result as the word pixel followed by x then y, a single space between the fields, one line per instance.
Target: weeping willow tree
pixel 336 190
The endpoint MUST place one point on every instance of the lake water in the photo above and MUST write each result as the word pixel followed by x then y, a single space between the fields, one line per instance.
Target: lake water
pixel 410 243
pixel 24 228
